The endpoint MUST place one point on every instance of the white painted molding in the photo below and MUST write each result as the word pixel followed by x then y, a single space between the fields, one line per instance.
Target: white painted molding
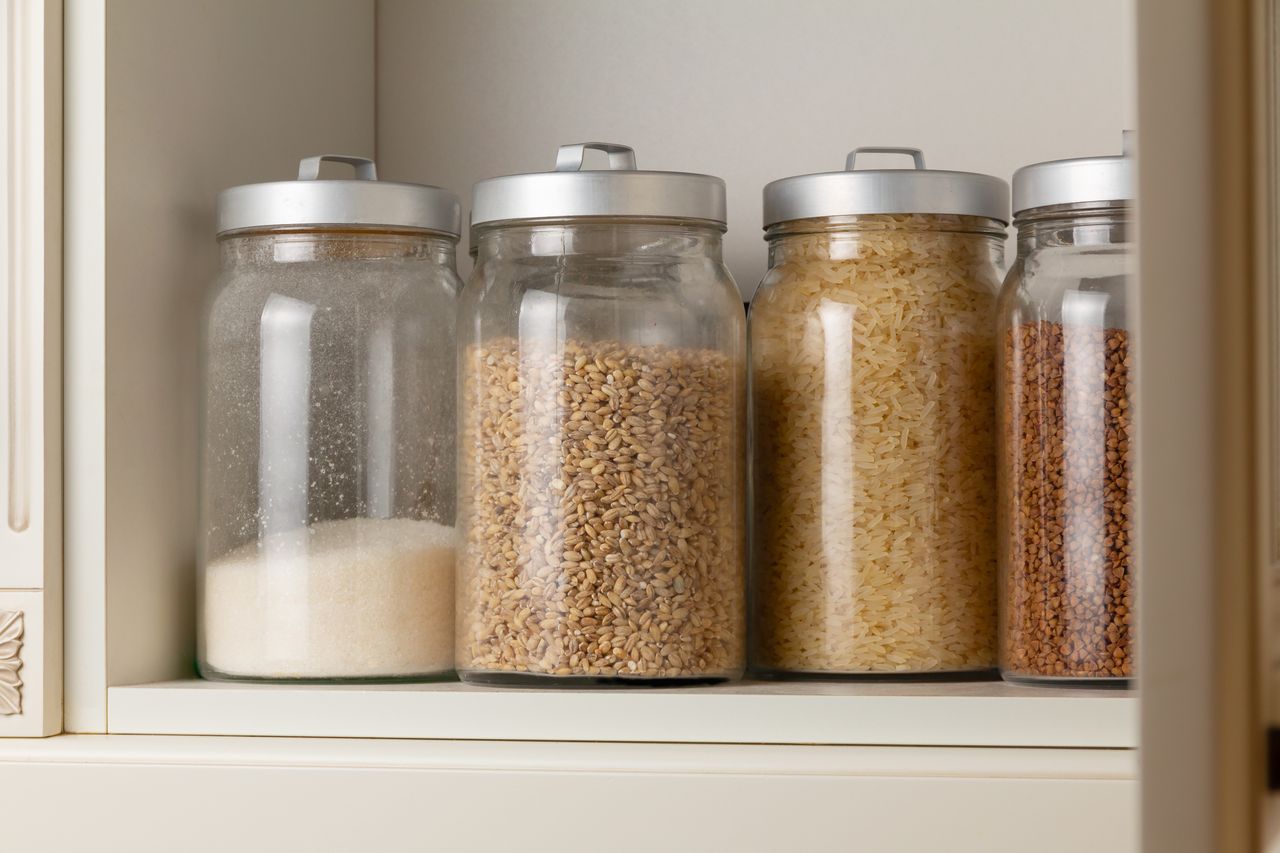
pixel 31 367
pixel 30 682
pixel 85 381
pixel 339 794
pixel 30 288
pixel 10 662
pixel 540 756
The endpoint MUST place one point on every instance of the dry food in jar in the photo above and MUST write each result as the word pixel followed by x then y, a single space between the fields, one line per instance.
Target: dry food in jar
pixel 602 512
pixel 873 400
pixel 1068 421
pixel 355 598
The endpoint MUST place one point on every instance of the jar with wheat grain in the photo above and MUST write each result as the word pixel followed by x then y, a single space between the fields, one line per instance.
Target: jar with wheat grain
pixel 1066 367
pixel 601 431
pixel 873 417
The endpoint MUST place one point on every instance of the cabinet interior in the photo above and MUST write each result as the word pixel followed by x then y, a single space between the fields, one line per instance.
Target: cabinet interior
pixel 197 97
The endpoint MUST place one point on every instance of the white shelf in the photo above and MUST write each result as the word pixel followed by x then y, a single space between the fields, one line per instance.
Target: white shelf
pixel 889 714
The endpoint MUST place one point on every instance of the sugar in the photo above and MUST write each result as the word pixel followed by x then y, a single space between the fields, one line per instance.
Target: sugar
pixel 357 598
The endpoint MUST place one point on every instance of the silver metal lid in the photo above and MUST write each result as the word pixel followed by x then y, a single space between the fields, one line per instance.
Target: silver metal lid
pixel 363 201
pixel 1075 181
pixel 870 191
pixel 620 190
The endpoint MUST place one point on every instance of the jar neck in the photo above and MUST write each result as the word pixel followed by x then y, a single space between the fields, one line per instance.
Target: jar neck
pixel 873 222
pixel 1073 225
pixel 308 246
pixel 846 237
pixel 639 240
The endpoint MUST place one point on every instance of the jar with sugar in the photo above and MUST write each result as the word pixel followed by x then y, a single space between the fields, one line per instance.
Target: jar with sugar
pixel 327 469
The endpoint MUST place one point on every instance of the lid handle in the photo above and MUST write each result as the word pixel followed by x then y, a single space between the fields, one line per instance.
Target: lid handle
pixel 621 157
pixel 309 169
pixel 914 153
pixel 1128 143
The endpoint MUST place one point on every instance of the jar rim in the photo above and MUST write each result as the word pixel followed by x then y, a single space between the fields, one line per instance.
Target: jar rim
pixel 1070 210
pixel 604 219
pixel 345 229
pixel 956 223
pixel 486 230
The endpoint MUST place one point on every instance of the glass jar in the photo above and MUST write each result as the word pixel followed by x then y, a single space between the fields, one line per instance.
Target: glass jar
pixel 601 431
pixel 1066 423
pixel 873 415
pixel 327 475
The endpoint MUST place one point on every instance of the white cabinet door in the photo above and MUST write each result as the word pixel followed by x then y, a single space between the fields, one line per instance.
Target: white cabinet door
pixel 30 368
pixel 1207 161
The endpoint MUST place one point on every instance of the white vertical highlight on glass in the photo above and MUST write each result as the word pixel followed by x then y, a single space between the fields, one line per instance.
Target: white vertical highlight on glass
pixel 380 452
pixel 1084 387
pixel 837 457
pixel 283 473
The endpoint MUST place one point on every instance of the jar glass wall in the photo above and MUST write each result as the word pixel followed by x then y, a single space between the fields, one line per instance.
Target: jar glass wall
pixel 1066 457
pixel 327 493
pixel 872 371
pixel 601 455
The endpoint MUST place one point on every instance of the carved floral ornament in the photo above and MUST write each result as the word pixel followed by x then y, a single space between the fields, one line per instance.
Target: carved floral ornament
pixel 10 662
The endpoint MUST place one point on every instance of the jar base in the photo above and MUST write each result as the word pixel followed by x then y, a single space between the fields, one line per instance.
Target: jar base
pixel 210 674
pixel 984 674
pixel 1107 682
pixel 489 678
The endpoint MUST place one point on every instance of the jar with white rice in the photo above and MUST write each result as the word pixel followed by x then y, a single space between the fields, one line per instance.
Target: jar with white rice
pixel 873 408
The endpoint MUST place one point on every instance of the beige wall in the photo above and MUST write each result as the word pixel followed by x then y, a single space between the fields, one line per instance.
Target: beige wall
pixel 749 90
